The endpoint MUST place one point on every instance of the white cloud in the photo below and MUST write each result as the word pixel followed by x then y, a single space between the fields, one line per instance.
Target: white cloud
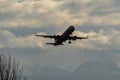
pixel 32 13
pixel 9 40
pixel 94 41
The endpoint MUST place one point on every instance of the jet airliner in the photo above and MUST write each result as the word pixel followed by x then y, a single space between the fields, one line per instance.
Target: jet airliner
pixel 59 39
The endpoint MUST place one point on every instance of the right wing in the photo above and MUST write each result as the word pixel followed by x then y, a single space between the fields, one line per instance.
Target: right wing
pixel 48 36
pixel 82 37
pixel 75 37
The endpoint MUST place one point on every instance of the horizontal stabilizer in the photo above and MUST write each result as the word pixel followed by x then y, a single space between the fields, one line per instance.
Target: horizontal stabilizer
pixel 50 43
pixel 53 44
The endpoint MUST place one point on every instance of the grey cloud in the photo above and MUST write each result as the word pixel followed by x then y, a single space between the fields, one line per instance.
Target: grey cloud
pixel 116 3
pixel 7 16
pixel 65 57
pixel 72 6
pixel 104 11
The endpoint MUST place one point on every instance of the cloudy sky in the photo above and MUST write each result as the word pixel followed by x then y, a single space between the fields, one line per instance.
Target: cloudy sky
pixel 99 19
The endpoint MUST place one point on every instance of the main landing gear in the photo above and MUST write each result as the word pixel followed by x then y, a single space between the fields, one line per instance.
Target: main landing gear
pixel 69 42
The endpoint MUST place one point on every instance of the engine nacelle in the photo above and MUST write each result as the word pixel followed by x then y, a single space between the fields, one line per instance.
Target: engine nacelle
pixel 56 37
pixel 74 38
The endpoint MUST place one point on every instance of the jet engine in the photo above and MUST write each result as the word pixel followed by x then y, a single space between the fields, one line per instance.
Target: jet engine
pixel 74 38
pixel 56 37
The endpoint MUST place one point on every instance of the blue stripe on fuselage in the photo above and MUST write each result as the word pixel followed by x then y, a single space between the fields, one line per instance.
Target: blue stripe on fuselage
pixel 65 35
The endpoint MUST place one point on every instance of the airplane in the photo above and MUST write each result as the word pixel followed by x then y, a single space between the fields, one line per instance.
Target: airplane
pixel 59 39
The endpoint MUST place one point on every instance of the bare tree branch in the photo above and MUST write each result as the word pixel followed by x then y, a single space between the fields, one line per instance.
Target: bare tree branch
pixel 9 69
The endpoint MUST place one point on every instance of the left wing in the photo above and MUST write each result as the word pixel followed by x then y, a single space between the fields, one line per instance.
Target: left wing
pixel 48 36
pixel 75 37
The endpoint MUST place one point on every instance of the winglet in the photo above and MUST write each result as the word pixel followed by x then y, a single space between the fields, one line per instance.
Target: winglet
pixel 38 34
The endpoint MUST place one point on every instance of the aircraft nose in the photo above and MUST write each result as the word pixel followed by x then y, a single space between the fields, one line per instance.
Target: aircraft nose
pixel 72 27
